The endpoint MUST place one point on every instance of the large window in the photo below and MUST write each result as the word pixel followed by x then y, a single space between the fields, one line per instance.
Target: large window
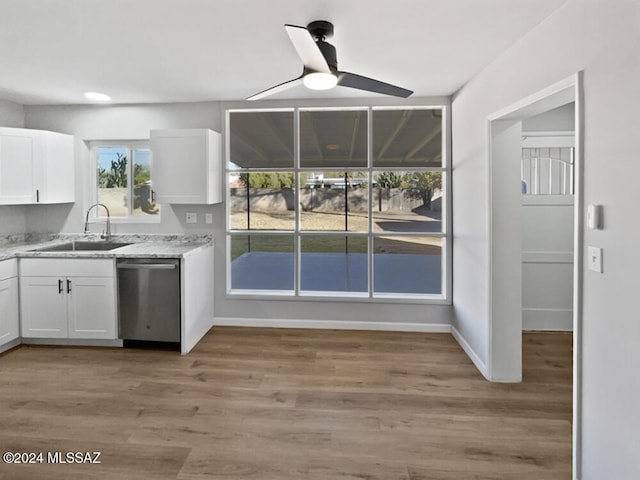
pixel 123 180
pixel 338 202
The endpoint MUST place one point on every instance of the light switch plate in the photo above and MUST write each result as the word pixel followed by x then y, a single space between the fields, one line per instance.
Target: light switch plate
pixel 594 260
pixel 208 218
pixel 192 217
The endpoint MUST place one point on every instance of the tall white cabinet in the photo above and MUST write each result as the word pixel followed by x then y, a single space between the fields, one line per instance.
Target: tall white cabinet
pixel 9 316
pixel 187 166
pixel 36 166
pixel 68 298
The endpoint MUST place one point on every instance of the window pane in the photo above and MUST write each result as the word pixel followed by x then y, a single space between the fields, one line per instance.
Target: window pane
pixel 143 203
pixel 112 180
pixel 261 262
pixel 407 201
pixel 261 140
pixel 407 265
pixel 336 201
pixel 268 203
pixel 407 138
pixel 333 139
pixel 333 264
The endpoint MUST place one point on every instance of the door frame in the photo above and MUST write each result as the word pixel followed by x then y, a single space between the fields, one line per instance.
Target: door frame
pixel 504 363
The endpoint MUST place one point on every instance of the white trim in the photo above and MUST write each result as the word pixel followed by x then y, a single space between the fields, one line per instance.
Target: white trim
pixel 73 342
pixel 332 324
pixel 562 92
pixel 534 141
pixel 568 90
pixel 468 349
pixel 549 133
pixel 578 275
pixel 9 345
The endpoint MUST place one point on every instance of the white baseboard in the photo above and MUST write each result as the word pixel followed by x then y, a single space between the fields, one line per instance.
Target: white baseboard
pixel 9 345
pixel 92 342
pixel 332 324
pixel 475 358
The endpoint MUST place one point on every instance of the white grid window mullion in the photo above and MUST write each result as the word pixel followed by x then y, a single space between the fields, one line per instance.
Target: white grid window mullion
pixel 370 172
pixel 297 247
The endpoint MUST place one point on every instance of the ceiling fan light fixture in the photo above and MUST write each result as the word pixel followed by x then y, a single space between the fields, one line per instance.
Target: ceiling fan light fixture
pixel 320 81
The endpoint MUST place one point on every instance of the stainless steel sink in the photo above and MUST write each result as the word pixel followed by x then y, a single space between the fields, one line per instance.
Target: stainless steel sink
pixel 82 246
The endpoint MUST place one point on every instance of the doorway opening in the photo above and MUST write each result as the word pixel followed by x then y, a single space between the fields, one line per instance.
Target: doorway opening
pixel 535 241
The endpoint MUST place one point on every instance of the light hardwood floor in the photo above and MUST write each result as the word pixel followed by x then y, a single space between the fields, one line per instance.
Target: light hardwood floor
pixel 289 404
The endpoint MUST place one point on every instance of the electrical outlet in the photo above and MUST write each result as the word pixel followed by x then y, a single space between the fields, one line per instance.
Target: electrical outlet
pixel 208 218
pixel 192 217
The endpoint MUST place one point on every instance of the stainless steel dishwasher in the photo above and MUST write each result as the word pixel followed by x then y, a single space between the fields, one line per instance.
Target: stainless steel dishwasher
pixel 149 299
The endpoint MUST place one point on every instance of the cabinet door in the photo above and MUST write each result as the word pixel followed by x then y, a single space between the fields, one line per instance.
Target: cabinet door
pixel 17 153
pixel 91 307
pixel 43 307
pixel 9 320
pixel 186 166
pixel 57 182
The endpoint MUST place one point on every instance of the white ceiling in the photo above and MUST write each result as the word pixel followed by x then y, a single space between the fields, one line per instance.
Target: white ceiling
pixel 139 51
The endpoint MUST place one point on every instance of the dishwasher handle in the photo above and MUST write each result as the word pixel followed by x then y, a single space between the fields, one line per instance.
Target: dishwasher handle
pixel 147 266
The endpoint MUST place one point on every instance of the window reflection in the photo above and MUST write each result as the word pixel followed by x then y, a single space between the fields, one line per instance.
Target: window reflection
pixel 261 201
pixel 333 139
pixel 407 201
pixel 334 201
pixel 262 262
pixel 410 265
pixel 407 138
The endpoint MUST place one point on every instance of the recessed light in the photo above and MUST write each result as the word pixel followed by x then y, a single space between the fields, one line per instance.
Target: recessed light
pixel 97 96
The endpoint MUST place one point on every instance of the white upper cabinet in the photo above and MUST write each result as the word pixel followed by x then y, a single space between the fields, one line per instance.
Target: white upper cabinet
pixel 187 166
pixel 36 166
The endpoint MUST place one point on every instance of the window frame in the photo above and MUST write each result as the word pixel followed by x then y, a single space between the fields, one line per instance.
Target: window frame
pixel 444 298
pixel 98 214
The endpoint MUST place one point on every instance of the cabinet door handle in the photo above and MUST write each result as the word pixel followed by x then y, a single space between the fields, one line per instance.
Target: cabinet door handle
pixel 37 196
pixel 68 286
pixel 153 196
pixel 60 290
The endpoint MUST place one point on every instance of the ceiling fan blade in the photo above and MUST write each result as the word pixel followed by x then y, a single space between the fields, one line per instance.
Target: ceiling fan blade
pixel 352 80
pixel 277 89
pixel 308 51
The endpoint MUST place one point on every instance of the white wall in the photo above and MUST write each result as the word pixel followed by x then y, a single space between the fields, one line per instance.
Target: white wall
pixel 561 119
pixel 600 38
pixel 12 218
pixel 547 262
pixel 130 122
pixel 11 114
pixel 134 122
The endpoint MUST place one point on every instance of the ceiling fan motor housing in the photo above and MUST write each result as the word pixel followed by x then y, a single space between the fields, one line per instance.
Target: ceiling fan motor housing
pixel 319 30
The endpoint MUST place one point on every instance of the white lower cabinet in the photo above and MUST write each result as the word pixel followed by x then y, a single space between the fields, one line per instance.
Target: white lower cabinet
pixel 68 298
pixel 9 316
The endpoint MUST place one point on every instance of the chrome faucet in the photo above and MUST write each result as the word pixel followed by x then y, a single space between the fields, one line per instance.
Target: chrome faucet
pixel 105 235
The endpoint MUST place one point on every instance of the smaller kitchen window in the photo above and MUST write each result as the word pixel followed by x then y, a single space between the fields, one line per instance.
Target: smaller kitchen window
pixel 123 180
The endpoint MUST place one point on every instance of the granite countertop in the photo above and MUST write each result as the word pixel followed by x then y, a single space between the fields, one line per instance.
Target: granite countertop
pixel 141 245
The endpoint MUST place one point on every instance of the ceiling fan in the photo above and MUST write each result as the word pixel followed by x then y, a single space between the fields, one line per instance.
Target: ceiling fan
pixel 320 70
